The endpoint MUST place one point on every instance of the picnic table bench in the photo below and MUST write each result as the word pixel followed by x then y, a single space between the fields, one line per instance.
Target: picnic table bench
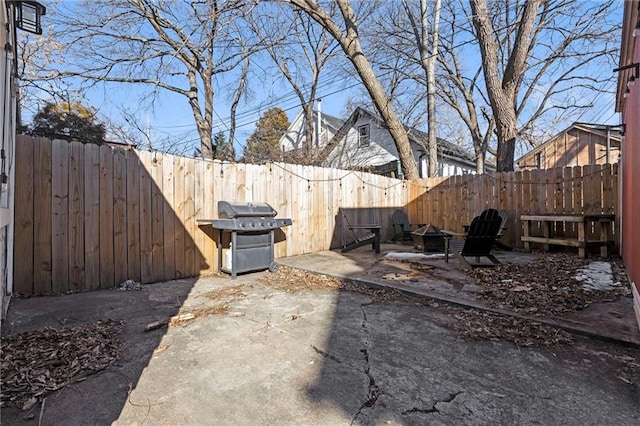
pixel 581 241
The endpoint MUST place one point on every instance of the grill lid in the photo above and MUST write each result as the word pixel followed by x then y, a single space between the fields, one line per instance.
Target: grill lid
pixel 237 210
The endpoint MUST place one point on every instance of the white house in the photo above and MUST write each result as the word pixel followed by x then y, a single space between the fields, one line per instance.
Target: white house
pixel 296 134
pixel 363 142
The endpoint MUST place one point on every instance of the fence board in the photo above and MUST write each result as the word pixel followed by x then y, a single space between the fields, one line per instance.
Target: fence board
pixel 168 217
pixel 42 179
pixel 179 202
pixel 23 266
pixel 146 217
pixel 120 264
pixel 157 218
pixel 558 198
pixel 60 216
pixel 577 189
pixel 133 215
pixel 107 273
pixel 216 179
pixel 189 219
pixel 76 216
pixel 91 217
pixel 200 264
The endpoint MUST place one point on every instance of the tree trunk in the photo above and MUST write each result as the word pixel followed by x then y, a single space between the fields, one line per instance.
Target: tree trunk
pixel 350 44
pixel 431 85
pixel 309 139
pixel 502 91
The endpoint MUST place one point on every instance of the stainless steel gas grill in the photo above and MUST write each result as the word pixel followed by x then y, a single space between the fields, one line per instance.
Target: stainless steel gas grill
pixel 251 226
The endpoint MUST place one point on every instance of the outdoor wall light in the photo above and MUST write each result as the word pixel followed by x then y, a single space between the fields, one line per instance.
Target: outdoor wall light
pixel 631 81
pixel 27 15
pixel 632 78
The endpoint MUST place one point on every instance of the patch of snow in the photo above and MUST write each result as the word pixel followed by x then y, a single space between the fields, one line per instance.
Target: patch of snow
pixel 412 256
pixel 596 276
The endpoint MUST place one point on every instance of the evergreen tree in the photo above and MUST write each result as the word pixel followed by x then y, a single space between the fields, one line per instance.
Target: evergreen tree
pixel 69 121
pixel 222 149
pixel 262 145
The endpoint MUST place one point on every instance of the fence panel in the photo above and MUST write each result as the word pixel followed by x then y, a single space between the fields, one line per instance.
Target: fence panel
pixel 90 217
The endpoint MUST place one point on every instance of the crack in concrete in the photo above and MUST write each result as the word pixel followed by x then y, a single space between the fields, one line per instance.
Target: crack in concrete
pixel 374 390
pixel 326 354
pixel 434 407
pixel 422 410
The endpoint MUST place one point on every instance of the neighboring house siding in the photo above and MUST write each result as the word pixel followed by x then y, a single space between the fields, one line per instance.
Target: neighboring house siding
pixel 381 150
pixel 630 162
pixel 8 119
pixel 362 141
pixel 573 147
pixel 350 153
pixel 296 134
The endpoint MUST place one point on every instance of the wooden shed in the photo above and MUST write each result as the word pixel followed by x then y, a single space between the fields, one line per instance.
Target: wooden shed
pixel 581 144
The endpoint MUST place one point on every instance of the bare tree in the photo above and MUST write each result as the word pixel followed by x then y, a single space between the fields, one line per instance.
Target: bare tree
pixel 301 49
pixel 501 90
pixel 537 55
pixel 350 43
pixel 428 50
pixel 460 88
pixel 179 46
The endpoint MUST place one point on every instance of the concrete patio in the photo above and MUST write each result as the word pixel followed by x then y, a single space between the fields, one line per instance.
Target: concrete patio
pixel 329 357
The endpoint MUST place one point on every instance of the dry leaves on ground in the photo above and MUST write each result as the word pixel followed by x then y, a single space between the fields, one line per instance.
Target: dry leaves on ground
pixel 292 280
pixel 37 362
pixel 544 287
pixel 221 298
pixel 477 325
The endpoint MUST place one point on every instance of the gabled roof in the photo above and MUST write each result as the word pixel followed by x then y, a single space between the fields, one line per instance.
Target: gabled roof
pixel 333 122
pixel 416 137
pixel 596 129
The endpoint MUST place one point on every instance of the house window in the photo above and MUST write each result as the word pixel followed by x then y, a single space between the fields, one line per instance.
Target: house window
pixel 540 160
pixel 364 135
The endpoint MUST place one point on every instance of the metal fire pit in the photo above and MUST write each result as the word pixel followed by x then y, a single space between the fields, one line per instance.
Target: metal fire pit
pixel 430 238
pixel 251 226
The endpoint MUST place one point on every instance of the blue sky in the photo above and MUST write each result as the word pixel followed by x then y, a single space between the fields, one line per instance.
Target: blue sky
pixel 170 117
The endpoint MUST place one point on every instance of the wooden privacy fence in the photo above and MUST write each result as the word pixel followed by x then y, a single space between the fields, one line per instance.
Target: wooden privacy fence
pixel 453 202
pixel 89 217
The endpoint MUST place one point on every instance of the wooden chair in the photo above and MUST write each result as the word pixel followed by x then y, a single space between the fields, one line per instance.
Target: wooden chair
pixel 478 241
pixel 401 226
pixel 504 216
pixel 373 237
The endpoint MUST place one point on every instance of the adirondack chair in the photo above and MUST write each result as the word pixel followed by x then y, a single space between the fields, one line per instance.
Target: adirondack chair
pixel 401 226
pixel 504 217
pixel 478 241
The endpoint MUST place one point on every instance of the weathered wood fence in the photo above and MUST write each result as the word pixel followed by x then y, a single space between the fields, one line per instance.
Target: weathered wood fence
pixel 89 217
pixel 453 202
